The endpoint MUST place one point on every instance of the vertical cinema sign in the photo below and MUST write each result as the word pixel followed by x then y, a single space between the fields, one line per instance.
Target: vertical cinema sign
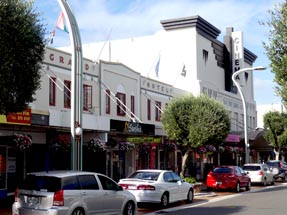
pixel 237 54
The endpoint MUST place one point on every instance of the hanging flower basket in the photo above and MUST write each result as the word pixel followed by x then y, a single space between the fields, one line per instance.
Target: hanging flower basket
pixel 252 152
pixel 22 141
pixel 145 147
pixel 96 145
pixel 238 150
pixel 229 149
pixel 126 146
pixel 221 149
pixel 202 149
pixel 61 143
pixel 210 148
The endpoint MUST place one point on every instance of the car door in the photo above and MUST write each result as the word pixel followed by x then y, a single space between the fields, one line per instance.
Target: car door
pixel 171 185
pixel 92 195
pixel 181 191
pixel 267 173
pixel 243 177
pixel 113 198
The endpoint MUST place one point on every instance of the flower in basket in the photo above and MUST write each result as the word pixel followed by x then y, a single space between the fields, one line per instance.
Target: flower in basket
pixel 202 149
pixel 96 145
pixel 61 143
pixel 211 148
pixel 238 150
pixel 229 148
pixel 252 152
pixel 22 141
pixel 221 149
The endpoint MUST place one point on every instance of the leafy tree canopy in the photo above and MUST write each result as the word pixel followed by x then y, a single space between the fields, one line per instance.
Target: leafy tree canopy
pixel 275 124
pixel 22 50
pixel 196 121
pixel 276 49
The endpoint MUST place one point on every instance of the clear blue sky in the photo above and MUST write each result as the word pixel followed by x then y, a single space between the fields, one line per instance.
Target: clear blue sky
pixel 131 18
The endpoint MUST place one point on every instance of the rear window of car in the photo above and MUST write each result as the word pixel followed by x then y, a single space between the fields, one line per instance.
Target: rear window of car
pixel 145 175
pixel 41 183
pixel 222 170
pixel 251 168
pixel 273 164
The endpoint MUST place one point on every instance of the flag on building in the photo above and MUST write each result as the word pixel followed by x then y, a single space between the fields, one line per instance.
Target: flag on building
pixel 61 23
pixel 157 67
pixel 183 71
pixel 52 35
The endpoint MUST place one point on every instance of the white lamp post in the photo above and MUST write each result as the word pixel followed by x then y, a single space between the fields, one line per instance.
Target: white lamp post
pixel 234 77
pixel 76 87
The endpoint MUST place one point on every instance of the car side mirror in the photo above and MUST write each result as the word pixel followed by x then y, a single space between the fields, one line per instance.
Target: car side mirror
pixel 120 188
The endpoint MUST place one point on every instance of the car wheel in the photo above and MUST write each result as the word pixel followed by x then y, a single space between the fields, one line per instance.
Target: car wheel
pixel 129 208
pixel 190 196
pixel 78 211
pixel 264 183
pixel 164 200
pixel 248 187
pixel 237 187
pixel 273 181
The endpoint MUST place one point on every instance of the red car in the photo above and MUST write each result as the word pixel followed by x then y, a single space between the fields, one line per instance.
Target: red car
pixel 228 177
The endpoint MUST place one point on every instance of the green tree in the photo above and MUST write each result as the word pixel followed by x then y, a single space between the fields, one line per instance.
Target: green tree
pixel 275 124
pixel 276 49
pixel 195 121
pixel 22 50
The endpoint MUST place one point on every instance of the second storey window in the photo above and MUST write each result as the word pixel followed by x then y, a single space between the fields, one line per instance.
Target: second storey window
pixel 148 109
pixel 121 109
pixel 157 111
pixel 133 106
pixel 52 91
pixel 87 101
pixel 108 101
pixel 67 94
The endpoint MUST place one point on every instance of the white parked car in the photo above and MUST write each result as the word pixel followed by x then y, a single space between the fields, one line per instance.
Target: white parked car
pixel 259 173
pixel 72 193
pixel 157 186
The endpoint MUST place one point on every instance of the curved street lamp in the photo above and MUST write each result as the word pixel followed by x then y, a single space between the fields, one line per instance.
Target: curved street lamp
pixel 234 77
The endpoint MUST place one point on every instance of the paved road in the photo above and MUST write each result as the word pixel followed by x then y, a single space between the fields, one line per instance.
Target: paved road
pixel 200 199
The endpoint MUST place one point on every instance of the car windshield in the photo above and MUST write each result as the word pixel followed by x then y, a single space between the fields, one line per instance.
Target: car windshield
pixel 41 183
pixel 222 170
pixel 145 175
pixel 251 168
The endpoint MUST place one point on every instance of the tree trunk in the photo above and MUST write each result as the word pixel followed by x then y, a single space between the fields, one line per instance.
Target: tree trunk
pixel 277 153
pixel 183 164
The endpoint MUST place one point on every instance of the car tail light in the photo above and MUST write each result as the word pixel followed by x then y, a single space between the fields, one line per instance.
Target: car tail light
pixel 16 195
pixel 58 198
pixel 146 187
pixel 260 172
pixel 281 164
pixel 125 186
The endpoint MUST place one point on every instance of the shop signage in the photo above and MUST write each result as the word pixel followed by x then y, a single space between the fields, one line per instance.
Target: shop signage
pixel 237 54
pixel 144 139
pixel 232 138
pixel 21 118
pixel 133 127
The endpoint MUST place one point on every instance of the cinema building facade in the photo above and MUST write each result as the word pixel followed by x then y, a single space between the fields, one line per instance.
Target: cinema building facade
pixel 122 130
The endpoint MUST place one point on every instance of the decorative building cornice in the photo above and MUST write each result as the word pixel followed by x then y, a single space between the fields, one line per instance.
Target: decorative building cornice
pixel 202 26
